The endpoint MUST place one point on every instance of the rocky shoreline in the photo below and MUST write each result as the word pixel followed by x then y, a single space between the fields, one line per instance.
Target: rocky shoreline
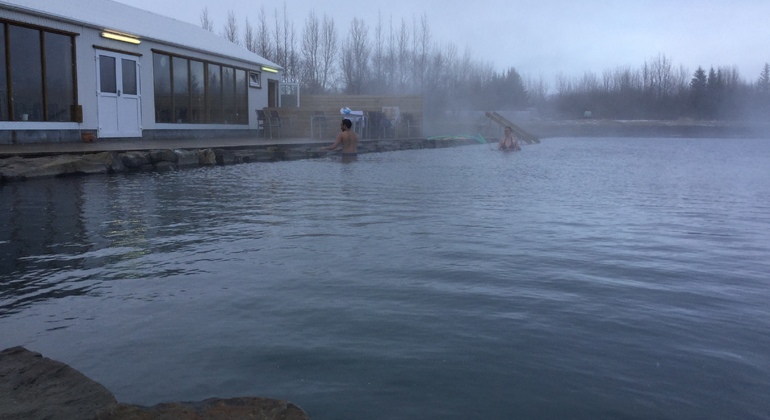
pixel 36 387
pixel 20 168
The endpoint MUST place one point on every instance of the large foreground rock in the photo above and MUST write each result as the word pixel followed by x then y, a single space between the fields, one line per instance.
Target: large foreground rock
pixel 36 387
pixel 211 409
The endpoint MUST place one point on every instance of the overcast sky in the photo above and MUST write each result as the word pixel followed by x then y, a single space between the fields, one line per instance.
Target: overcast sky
pixel 542 38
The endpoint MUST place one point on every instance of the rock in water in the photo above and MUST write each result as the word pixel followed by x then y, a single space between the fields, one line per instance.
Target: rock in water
pixel 36 387
pixel 210 409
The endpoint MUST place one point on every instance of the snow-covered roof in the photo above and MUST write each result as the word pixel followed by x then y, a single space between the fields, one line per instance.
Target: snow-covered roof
pixel 108 14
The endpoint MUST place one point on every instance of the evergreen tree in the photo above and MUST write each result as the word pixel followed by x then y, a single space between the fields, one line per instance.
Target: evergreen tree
pixel 713 93
pixel 763 84
pixel 698 93
pixel 762 96
pixel 516 95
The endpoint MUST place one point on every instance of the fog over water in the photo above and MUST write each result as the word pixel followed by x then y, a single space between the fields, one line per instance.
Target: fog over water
pixel 541 38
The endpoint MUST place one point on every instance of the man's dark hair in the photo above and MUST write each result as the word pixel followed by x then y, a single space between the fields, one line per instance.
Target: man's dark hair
pixel 346 122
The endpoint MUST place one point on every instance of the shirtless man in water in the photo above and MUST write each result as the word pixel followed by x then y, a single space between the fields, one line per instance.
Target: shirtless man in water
pixel 348 138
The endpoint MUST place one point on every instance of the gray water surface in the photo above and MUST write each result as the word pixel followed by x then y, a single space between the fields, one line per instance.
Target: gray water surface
pixel 579 278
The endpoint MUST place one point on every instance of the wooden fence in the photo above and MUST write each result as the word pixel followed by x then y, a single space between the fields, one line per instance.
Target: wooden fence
pixel 314 109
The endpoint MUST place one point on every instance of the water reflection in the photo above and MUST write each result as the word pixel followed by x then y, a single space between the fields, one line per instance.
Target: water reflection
pixel 58 234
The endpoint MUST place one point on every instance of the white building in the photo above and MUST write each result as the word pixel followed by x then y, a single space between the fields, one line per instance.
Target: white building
pixel 70 68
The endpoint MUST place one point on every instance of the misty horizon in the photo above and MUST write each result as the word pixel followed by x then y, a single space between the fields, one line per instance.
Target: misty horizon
pixel 543 40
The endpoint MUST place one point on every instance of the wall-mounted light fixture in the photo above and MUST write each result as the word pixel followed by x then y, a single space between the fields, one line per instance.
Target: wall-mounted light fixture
pixel 121 37
pixel 269 70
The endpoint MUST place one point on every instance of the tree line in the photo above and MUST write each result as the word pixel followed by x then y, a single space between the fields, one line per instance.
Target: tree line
pixel 400 56
pixel 659 90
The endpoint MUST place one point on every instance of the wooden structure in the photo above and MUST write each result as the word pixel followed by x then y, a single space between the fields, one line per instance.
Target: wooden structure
pixel 518 131
pixel 319 116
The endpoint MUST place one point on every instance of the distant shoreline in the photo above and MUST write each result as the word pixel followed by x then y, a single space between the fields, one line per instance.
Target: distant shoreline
pixel 645 128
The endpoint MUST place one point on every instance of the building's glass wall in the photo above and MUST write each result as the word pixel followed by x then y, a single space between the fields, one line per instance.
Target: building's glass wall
pixel 26 66
pixel 214 93
pixel 181 90
pixel 203 92
pixel 241 97
pixel 38 81
pixel 40 66
pixel 161 66
pixel 59 76
pixel 228 94
pixel 4 112
pixel 197 91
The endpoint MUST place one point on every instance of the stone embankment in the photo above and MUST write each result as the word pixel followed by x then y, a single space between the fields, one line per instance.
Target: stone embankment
pixel 36 387
pixel 19 168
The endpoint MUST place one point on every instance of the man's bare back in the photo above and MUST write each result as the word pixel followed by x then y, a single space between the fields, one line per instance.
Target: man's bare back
pixel 347 138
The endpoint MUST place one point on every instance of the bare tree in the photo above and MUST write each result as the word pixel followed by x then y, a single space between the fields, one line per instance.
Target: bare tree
pixel 281 55
pixel 537 90
pixel 328 52
pixel 455 80
pixel 230 30
pixel 660 79
pixel 293 62
pixel 730 76
pixel 589 83
pixel 378 80
pixel 563 85
pixel 421 51
pixel 440 77
pixel 263 45
pixel 390 57
pixel 355 57
pixel 403 56
pixel 608 81
pixel 249 39
pixel 625 80
pixel 311 56
pixel 206 22
pixel 285 40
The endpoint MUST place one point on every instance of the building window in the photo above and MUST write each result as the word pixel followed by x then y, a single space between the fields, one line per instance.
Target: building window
pixel 107 72
pixel 181 90
pixel 161 65
pixel 197 92
pixel 41 69
pixel 4 112
pixel 130 79
pixel 214 93
pixel 241 97
pixel 59 77
pixel 228 95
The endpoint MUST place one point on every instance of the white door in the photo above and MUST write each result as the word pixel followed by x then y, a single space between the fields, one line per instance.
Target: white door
pixel 118 95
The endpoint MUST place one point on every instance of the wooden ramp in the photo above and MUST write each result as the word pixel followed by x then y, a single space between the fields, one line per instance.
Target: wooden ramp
pixel 518 131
